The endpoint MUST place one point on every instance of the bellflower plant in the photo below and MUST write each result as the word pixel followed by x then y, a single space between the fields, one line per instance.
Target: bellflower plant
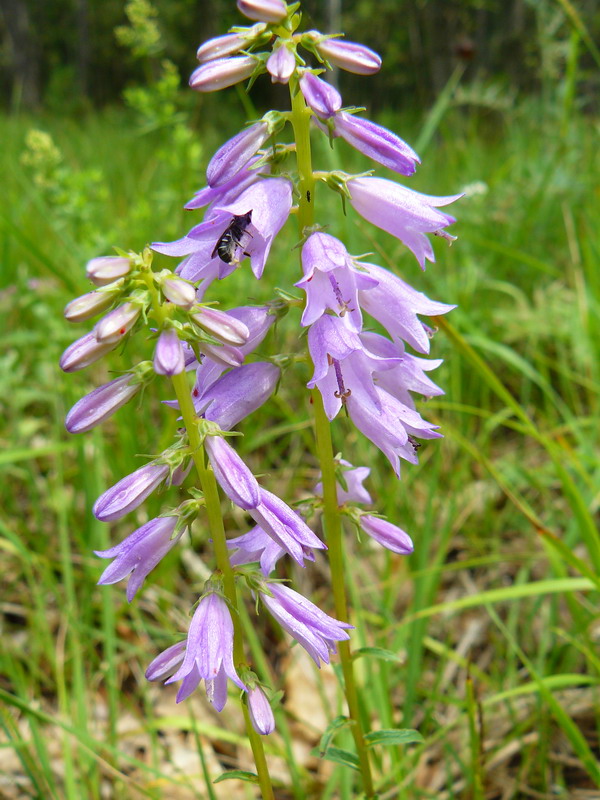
pixel 254 183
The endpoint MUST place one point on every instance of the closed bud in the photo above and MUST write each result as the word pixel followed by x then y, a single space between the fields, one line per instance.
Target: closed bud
pixel 88 305
pixel 263 10
pixel 129 492
pixel 261 713
pixel 222 326
pixel 390 536
pixel 107 269
pixel 117 323
pixel 323 98
pixel 83 352
pixel 223 354
pixel 349 56
pixel 281 65
pixel 168 354
pixel 100 404
pixel 179 292
pixel 222 72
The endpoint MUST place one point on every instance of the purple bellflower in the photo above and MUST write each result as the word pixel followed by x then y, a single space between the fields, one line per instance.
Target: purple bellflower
pixel 232 474
pixel 167 663
pixel 349 56
pixel 208 652
pixel 222 72
pixel 406 214
pixel 320 96
pixel 353 477
pixel 332 280
pixel 238 393
pixel 235 154
pixel 101 403
pixel 315 630
pixel 130 492
pixel 261 713
pixel 139 553
pixel 256 545
pixel 390 536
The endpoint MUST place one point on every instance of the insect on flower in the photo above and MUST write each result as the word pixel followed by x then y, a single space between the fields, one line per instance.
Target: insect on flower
pixel 232 236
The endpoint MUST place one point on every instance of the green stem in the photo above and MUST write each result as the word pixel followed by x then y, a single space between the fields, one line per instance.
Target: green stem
pixel 217 532
pixel 300 118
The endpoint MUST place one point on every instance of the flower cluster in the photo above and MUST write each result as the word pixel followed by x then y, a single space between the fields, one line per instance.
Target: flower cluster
pixel 249 195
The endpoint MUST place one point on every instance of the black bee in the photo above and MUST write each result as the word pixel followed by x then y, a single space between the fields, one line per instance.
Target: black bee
pixel 231 237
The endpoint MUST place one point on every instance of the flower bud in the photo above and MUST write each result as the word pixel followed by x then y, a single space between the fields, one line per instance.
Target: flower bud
pixel 107 269
pixel 113 326
pixel 220 46
pixel 222 326
pixel 222 72
pixel 129 492
pixel 223 354
pixel 100 404
pixel 232 474
pixel 179 292
pixel 83 352
pixel 281 65
pixel 350 56
pixel 88 305
pixel 261 713
pixel 167 663
pixel 235 154
pixel 322 98
pixel 388 535
pixel 168 354
pixel 263 10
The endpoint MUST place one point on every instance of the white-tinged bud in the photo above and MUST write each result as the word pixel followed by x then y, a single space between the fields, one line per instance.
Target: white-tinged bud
pixel 222 326
pixel 281 64
pixel 107 269
pixel 223 354
pixel 227 45
pixel 83 352
pixel 88 305
pixel 113 326
pixel 100 404
pixel 168 354
pixel 179 292
pixel 263 10
pixel 222 72
pixel 261 713
pixel 350 56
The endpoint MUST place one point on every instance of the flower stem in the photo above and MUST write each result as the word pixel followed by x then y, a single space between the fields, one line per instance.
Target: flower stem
pixel 300 118
pixel 217 532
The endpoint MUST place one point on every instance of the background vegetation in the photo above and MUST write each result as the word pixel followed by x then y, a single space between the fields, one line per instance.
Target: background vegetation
pixel 486 639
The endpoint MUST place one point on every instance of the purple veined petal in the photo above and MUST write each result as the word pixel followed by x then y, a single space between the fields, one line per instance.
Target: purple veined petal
pixel 165 664
pixel 129 492
pixel 118 322
pixel 227 45
pixel 232 474
pixel 181 247
pixel 281 65
pixel 188 685
pixel 168 354
pixel 100 404
pixel 320 96
pixel 263 10
pixel 221 73
pixel 223 326
pixel 270 201
pixel 216 690
pixel 200 267
pixel 235 154
pixel 261 713
pixel 106 269
pixel 258 320
pixel 83 352
pixel 229 192
pixel 139 553
pixel 223 354
pixel 406 214
pixel 389 536
pixel 350 56
pixel 88 305
pixel 238 393
pixel 376 142
pixel 355 491
pixel 256 545
pixel 395 305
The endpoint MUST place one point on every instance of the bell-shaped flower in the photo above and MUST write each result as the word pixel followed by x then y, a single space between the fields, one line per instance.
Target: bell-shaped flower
pixel 258 321
pixel 256 545
pixel 332 280
pixel 263 10
pixel 406 214
pixel 320 96
pixel 222 72
pixel 343 366
pixel 235 154
pixel 237 394
pixel 101 403
pixel 316 631
pixel 232 474
pixel 168 354
pixel 281 64
pixel 129 492
pixel 208 652
pixel 389 536
pixel 393 428
pixel 139 553
pixel 229 191
pixel 285 527
pixel 396 305
pixel 83 352
pixel 261 713
pixel 353 491
pixel 349 56
pixel 376 142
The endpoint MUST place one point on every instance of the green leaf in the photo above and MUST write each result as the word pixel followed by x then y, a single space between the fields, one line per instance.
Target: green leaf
pixel 237 774
pixel 338 756
pixel 336 725
pixel 393 736
pixel 376 652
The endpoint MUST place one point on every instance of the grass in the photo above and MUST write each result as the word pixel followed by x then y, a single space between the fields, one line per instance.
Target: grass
pixel 485 640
